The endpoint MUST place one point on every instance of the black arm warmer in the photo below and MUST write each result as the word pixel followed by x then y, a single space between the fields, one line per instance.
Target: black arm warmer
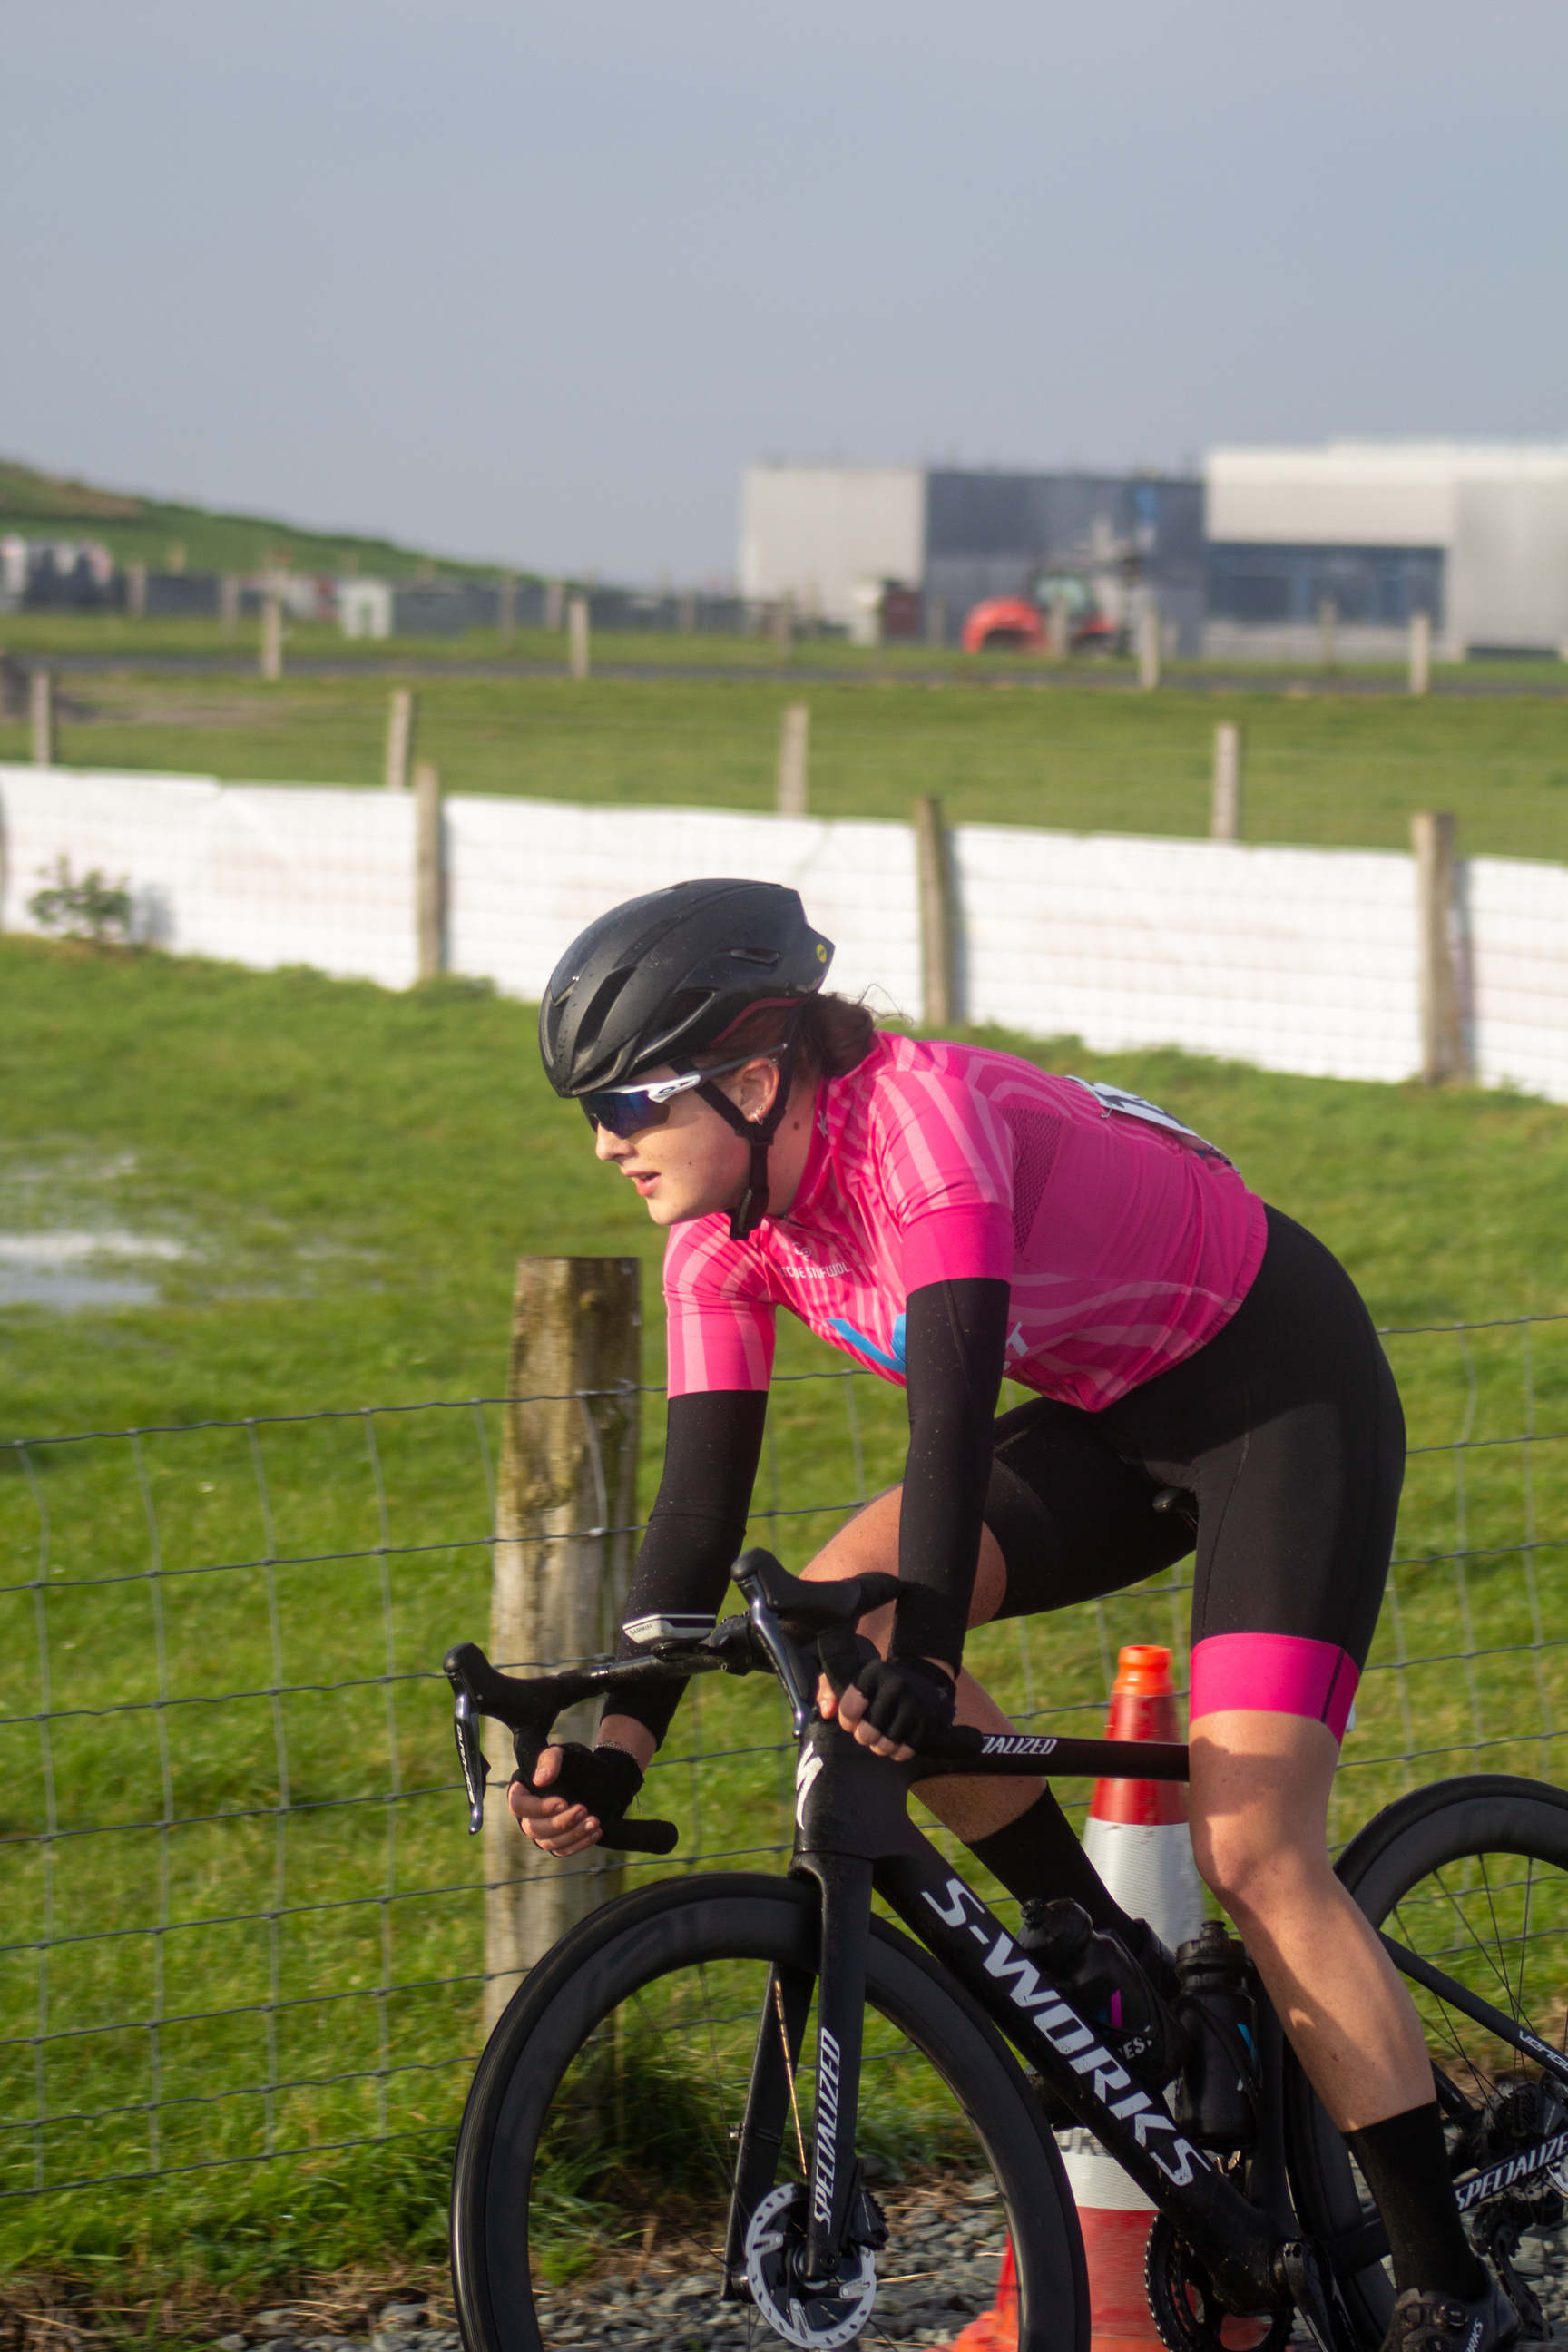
pixel 955 1338
pixel 697 1526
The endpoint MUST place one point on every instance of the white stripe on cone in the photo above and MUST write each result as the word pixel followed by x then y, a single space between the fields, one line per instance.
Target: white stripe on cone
pixel 1149 1868
pixel 1096 2180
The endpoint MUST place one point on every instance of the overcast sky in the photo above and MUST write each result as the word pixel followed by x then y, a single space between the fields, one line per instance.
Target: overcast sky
pixel 536 283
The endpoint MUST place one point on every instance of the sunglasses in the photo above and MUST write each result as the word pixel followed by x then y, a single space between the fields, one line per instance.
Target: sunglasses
pixel 626 1109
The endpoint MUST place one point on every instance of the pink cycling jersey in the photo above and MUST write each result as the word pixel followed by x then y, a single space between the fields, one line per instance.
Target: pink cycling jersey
pixel 1127 1241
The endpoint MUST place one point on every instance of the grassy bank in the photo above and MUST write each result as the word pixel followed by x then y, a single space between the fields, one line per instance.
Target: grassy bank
pixel 330 1185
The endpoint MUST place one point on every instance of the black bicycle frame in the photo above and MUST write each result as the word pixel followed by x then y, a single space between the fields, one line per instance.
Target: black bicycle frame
pixel 854 1837
pixel 853 1834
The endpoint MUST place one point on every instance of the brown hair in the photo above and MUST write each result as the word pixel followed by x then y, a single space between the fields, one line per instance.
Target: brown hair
pixel 833 1034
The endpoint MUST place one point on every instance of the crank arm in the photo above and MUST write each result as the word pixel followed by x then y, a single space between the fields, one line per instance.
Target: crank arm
pixel 1305 2271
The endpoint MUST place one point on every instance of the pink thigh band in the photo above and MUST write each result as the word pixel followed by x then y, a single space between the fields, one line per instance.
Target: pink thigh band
pixel 1278 1674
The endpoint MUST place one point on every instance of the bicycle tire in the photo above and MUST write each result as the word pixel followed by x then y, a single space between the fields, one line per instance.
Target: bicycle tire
pixel 1422 1863
pixel 665 1936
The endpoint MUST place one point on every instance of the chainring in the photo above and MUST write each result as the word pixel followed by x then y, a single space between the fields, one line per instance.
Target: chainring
pixel 1188 2314
pixel 775 2245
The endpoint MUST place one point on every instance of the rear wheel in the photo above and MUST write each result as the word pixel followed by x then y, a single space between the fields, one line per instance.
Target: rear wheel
pixel 605 2115
pixel 1472 1874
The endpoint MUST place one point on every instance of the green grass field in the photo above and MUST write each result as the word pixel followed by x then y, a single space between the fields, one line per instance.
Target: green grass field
pixel 349 1176
pixel 1326 765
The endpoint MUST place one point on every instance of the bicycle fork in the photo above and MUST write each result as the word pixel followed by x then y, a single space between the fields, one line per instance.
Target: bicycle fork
pixel 772 2112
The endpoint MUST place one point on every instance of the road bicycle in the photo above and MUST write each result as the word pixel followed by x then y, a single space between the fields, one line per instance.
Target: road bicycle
pixel 778 2043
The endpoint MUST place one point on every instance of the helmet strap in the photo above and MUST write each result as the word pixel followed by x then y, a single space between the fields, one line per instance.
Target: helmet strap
pixel 752 1206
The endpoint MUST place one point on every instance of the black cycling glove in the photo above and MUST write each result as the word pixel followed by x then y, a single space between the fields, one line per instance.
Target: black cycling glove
pixel 908 1697
pixel 604 1779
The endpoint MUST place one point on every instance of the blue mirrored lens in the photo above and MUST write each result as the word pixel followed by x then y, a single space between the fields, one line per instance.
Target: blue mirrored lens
pixel 623 1114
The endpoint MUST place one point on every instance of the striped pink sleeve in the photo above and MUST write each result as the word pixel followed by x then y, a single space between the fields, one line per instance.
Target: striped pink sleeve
pixel 946 1162
pixel 719 1332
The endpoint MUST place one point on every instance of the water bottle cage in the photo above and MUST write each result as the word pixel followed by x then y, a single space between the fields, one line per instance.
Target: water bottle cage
pixel 1234 2045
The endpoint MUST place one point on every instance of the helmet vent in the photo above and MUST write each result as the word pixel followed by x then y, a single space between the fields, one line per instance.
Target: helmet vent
pixel 602 1005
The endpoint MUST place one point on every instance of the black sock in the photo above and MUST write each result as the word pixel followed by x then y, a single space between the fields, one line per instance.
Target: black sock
pixel 1405 2165
pixel 1038 1854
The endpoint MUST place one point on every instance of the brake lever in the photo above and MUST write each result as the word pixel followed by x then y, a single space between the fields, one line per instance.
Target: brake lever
pixel 472 1758
pixel 474 1682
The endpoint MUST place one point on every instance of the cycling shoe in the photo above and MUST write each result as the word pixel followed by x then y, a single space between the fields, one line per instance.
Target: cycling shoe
pixel 1425 2321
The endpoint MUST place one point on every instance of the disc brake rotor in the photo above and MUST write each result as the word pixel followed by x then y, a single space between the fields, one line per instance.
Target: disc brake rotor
pixel 775 2249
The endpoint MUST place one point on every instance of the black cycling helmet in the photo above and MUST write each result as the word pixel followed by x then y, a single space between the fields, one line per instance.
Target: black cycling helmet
pixel 661 977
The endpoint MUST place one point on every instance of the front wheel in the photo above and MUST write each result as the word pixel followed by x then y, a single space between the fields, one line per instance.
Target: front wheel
pixel 1472 1875
pixel 605 2118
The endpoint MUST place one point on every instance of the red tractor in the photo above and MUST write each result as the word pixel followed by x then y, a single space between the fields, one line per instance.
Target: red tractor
pixel 1022 624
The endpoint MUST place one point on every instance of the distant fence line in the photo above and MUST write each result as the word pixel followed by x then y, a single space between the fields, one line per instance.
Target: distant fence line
pixel 1316 961
pixel 371 607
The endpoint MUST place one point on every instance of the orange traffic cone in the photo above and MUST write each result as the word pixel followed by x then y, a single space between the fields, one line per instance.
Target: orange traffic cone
pixel 1138 1840
pixel 996 2330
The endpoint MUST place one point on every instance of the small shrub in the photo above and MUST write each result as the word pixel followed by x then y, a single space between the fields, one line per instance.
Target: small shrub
pixel 91 909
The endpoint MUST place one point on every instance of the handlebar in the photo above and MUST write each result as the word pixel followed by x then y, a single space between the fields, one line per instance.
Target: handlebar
pixel 784 1615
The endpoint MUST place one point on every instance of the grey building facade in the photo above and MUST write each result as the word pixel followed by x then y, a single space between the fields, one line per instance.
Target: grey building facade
pixel 993 534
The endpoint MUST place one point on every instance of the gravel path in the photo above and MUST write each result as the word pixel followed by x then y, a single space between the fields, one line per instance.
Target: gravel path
pixel 937 2272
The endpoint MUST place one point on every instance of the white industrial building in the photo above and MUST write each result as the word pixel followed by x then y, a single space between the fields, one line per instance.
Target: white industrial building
pixel 1475 534
pixel 1249 563
pixel 824 536
pixel 832 539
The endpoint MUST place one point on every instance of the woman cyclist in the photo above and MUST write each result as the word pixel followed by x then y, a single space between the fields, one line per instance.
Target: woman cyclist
pixel 946 1215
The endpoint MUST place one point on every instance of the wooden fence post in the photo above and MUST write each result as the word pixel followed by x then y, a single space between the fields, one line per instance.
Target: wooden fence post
pixel 1226 818
pixel 272 638
pixel 1420 652
pixel 41 712
pixel 939 916
pixel 795 743
pixel 1148 645
pixel 229 604
pixel 136 591
pixel 566 1505
pixel 1058 629
pixel 1438 974
pixel 1328 627
pixel 577 655
pixel 429 871
pixel 402 711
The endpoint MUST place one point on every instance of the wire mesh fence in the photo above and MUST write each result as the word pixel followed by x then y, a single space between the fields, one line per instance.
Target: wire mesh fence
pixel 241 1918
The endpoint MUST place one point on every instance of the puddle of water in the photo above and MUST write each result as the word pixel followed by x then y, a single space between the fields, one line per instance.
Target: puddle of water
pixel 55 1269
pixel 18 1288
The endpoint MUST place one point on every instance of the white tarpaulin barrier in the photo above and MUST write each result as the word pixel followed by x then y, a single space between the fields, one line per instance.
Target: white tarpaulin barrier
pixel 525 877
pixel 1514 932
pixel 1300 960
pixel 259 874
